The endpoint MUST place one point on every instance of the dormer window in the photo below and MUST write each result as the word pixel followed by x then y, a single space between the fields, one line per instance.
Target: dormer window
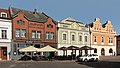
pixel 3 14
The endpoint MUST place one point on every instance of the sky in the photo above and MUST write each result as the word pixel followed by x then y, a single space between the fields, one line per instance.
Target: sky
pixel 84 11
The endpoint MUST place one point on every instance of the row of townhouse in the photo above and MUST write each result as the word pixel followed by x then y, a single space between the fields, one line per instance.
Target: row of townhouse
pixel 102 37
pixel 21 28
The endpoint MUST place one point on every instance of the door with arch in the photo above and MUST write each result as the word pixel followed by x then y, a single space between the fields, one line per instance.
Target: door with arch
pixel 102 51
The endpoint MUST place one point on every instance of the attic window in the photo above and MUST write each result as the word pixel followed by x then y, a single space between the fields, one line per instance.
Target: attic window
pixel 3 14
pixel 20 22
pixel 50 26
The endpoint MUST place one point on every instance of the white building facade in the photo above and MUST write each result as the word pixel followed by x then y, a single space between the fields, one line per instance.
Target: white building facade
pixel 73 33
pixel 5 35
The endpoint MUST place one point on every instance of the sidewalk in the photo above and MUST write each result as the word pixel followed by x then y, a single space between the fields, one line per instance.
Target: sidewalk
pixel 109 58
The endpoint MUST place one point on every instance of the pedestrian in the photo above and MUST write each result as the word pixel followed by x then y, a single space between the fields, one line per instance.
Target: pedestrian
pixel 114 53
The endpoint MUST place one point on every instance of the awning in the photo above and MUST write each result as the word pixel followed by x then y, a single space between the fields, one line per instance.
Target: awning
pixel 47 49
pixel 86 48
pixel 62 48
pixel 29 49
pixel 73 48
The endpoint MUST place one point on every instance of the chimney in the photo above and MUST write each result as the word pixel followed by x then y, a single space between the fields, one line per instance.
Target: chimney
pixel 35 11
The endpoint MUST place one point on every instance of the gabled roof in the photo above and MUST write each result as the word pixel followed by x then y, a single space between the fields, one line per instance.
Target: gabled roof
pixel 31 16
pixel 55 22
pixel 90 24
pixel 71 20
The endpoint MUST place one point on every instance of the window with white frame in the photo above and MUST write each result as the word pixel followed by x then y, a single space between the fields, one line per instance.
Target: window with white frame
pixel 47 35
pixel 23 33
pixel 33 34
pixel 17 32
pixel 64 36
pixel 50 35
pixel 38 34
pixel 4 34
pixel 73 37
pixel 102 39
pixel 85 38
pixel 3 14
pixel 95 39
pixel 80 38
pixel 110 40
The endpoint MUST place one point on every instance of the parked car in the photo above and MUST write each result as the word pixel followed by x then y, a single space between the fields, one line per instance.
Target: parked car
pixel 86 58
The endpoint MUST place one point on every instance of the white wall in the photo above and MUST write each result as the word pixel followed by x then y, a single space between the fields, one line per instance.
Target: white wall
pixel 6 25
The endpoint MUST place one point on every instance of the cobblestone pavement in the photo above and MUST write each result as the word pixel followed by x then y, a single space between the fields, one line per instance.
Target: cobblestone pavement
pixel 104 63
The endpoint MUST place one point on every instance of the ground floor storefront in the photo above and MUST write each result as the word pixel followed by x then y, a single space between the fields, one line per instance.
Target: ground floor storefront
pixel 16 46
pixel 107 50
pixel 5 49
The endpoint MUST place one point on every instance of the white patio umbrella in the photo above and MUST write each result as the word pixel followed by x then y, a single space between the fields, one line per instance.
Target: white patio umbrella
pixel 29 49
pixel 47 49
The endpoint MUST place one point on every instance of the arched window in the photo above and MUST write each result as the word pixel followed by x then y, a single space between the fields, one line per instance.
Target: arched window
pixel 95 50
pixel 110 50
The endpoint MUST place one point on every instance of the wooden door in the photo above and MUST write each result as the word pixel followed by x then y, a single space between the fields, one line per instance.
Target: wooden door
pixel 4 53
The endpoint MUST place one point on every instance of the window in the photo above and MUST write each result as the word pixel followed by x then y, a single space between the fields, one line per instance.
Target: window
pixel 33 34
pixel 95 39
pixel 80 38
pixel 85 38
pixel 95 50
pixel 50 26
pixel 73 37
pixel 23 33
pixel 3 14
pixel 20 22
pixel 102 39
pixel 110 50
pixel 17 32
pixel 4 34
pixel 64 36
pixel 110 40
pixel 49 35
pixel 38 34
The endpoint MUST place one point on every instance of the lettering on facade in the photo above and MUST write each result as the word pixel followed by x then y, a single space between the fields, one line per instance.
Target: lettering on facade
pixel 35 25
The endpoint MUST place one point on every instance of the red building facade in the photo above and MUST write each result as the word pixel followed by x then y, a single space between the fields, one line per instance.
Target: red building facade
pixel 32 28
pixel 118 44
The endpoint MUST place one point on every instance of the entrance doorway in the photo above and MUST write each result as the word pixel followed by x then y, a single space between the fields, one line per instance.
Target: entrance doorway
pixel 4 53
pixel 102 51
